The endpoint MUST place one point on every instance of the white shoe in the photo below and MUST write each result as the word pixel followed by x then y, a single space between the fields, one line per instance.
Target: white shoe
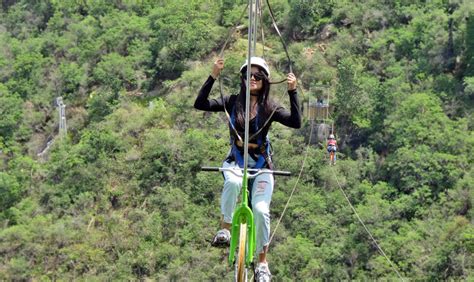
pixel 262 273
pixel 222 238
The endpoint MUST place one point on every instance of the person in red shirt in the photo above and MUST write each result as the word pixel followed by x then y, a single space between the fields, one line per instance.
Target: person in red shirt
pixel 332 146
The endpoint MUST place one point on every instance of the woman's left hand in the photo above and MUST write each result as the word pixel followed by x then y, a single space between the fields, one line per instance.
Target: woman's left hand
pixel 291 80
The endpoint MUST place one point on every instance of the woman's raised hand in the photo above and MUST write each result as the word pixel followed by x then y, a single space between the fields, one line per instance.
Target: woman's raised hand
pixel 291 80
pixel 217 68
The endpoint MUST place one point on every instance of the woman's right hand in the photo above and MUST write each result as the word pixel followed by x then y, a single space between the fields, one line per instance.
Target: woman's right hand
pixel 217 68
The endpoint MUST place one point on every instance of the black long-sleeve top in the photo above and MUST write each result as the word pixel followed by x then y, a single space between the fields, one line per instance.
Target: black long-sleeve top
pixel 290 118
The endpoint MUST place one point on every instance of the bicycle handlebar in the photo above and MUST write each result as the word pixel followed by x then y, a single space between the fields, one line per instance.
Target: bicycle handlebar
pixel 255 172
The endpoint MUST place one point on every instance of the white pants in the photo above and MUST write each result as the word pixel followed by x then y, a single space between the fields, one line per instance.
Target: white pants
pixel 261 193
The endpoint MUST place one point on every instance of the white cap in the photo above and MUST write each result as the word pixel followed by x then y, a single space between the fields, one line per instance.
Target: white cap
pixel 257 61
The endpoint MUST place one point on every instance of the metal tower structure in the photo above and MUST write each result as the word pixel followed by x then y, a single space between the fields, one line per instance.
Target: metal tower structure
pixel 62 116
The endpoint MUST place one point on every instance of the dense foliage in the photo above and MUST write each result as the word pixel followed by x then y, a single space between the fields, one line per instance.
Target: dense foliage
pixel 122 197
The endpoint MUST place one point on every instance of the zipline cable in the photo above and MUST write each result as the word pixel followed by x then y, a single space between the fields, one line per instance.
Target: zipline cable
pixel 365 227
pixel 255 10
pixel 251 40
pixel 261 29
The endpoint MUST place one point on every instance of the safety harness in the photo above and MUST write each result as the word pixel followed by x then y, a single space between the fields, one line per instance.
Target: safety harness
pixel 261 155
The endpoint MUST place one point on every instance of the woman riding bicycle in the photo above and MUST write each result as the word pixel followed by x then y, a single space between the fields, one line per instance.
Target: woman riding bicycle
pixel 261 108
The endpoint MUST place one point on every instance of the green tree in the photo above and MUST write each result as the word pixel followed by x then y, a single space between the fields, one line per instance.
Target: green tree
pixel 115 72
pixel 420 120
pixel 306 16
pixel 72 76
pixel 10 191
pixel 10 110
pixel 100 104
pixel 469 46
pixel 183 30
pixel 354 94
pixel 27 74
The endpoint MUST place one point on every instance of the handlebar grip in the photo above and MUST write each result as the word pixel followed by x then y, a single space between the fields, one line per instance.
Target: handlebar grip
pixel 282 173
pixel 209 168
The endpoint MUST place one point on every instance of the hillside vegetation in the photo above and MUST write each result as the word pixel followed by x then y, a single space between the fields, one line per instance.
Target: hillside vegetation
pixel 122 197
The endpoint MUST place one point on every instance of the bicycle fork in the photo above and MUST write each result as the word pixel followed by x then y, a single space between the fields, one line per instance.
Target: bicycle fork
pixel 243 214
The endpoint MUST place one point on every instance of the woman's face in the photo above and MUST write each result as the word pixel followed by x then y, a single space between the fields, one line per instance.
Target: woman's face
pixel 255 84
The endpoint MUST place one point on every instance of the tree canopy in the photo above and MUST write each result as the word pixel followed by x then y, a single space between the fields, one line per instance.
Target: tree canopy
pixel 121 196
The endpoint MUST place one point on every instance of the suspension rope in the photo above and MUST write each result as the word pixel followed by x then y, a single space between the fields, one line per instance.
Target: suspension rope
pixel 279 35
pixel 296 183
pixel 365 227
pixel 348 201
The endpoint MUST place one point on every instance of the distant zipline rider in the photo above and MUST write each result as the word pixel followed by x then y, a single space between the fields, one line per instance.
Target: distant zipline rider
pixel 263 111
pixel 332 149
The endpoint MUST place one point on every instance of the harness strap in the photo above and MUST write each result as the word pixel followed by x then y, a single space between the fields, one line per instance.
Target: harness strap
pixel 265 151
pixel 263 155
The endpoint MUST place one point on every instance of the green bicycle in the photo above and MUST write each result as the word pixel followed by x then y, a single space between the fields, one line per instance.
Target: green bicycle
pixel 243 228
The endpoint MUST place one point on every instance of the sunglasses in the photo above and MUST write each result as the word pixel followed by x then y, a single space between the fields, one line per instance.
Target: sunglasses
pixel 256 75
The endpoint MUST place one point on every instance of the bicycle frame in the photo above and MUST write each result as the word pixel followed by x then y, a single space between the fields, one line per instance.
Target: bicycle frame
pixel 243 214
